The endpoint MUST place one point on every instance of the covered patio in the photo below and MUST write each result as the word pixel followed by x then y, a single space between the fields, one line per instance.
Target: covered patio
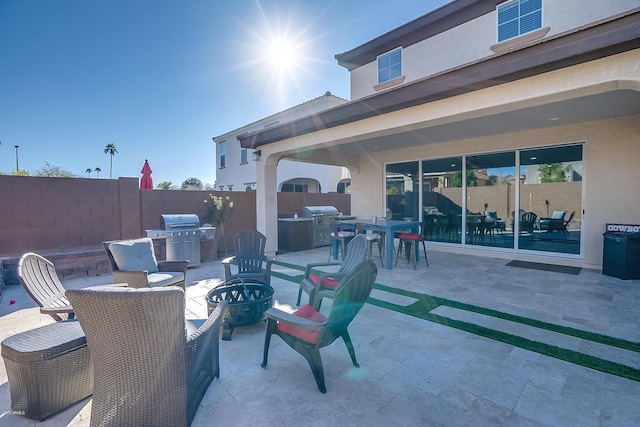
pixel 571 100
pixel 466 341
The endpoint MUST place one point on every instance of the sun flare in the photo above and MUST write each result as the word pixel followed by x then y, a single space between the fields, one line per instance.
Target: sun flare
pixel 280 54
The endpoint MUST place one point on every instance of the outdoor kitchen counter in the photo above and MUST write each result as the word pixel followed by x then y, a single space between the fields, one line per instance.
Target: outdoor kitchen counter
pixel 295 234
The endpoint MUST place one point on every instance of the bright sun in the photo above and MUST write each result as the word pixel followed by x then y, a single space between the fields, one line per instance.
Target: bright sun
pixel 280 54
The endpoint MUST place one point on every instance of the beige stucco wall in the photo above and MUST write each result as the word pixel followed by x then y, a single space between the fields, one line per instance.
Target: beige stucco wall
pixel 473 40
pixel 611 172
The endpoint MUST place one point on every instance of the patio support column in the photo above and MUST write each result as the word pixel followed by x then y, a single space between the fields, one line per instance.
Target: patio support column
pixel 267 201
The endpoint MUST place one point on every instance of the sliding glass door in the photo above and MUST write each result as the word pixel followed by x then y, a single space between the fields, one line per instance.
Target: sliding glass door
pixel 551 199
pixel 490 199
pixel 442 199
pixel 402 190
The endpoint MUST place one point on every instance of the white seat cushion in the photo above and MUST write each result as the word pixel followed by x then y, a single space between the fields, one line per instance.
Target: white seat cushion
pixel 164 278
pixel 134 255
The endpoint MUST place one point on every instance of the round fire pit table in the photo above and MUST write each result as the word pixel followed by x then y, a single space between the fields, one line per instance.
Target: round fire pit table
pixel 248 299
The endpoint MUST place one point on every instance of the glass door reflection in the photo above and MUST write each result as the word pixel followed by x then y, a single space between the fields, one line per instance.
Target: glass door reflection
pixel 491 180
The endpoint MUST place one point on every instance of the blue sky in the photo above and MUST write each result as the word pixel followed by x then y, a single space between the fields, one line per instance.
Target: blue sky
pixel 160 78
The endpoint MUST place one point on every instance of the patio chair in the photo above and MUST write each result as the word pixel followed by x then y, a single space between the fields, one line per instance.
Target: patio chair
pixel 528 222
pixel 320 285
pixel 563 227
pixel 39 278
pixel 249 256
pixel 498 223
pixel 134 262
pixel 151 366
pixel 554 222
pixel 307 331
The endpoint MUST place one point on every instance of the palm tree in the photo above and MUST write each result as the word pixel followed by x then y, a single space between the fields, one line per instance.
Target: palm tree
pixel 111 150
pixel 88 171
pixel 97 171
pixel 165 185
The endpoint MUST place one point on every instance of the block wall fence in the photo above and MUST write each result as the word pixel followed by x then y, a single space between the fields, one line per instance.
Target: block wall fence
pixel 67 219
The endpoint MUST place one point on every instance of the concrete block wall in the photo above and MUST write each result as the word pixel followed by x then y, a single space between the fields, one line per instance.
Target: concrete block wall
pixel 67 219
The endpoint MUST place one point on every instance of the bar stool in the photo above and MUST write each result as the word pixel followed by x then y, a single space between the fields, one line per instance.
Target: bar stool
pixel 341 237
pixel 411 241
pixel 375 238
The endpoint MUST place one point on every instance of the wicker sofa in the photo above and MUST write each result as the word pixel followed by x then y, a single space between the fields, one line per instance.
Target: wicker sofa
pixel 151 366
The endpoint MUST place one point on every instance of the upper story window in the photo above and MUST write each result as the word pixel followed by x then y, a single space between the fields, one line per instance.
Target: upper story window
pixel 221 153
pixel 390 65
pixel 518 17
pixel 243 155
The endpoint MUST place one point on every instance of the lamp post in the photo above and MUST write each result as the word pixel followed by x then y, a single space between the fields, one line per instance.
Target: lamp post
pixel 17 146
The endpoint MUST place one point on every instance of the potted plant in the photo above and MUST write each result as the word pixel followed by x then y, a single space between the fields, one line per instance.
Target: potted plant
pixel 218 210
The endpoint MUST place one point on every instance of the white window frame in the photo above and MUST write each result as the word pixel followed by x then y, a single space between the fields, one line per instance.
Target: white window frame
pixel 518 19
pixel 222 154
pixel 388 54
pixel 243 155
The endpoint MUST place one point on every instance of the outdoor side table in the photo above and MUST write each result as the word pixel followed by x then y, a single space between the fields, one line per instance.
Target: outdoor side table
pixel 48 369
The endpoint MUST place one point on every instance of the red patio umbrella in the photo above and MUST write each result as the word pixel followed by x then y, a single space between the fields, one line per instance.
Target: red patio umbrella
pixel 146 182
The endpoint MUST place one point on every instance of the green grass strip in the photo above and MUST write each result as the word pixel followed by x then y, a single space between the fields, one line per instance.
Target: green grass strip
pixel 434 302
pixel 426 303
pixel 418 310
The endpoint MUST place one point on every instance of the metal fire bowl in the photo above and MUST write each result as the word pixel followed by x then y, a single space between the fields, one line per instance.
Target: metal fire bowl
pixel 248 299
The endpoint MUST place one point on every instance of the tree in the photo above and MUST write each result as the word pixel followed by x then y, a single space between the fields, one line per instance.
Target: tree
pixel 166 185
pixel 472 179
pixel 192 184
pixel 97 171
pixel 88 171
pixel 111 150
pixel 218 210
pixel 553 172
pixel 20 172
pixel 54 171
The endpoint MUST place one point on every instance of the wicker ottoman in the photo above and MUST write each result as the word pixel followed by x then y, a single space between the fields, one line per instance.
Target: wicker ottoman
pixel 48 369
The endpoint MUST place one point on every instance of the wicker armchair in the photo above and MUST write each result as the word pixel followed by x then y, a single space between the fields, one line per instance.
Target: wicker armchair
pixel 307 331
pixel 151 366
pixel 249 256
pixel 134 262
pixel 323 284
pixel 39 278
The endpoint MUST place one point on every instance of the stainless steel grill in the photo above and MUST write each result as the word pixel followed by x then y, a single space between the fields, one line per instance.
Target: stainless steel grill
pixel 182 233
pixel 323 222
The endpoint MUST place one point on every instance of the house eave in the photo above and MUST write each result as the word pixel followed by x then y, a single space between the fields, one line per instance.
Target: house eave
pixel 604 39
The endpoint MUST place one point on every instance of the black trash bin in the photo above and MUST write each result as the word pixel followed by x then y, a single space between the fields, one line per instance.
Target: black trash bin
pixel 621 255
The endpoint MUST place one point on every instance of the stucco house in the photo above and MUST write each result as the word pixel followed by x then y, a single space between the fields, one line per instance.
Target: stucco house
pixel 540 98
pixel 236 168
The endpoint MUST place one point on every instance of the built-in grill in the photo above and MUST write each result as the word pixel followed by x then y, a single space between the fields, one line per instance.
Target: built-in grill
pixel 323 222
pixel 182 233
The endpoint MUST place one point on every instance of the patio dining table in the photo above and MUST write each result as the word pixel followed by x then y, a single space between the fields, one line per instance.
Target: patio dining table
pixel 388 226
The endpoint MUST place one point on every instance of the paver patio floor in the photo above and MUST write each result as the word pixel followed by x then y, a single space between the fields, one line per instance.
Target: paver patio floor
pixel 413 371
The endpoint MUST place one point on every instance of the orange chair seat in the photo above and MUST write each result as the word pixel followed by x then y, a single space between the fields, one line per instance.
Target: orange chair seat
pixel 410 236
pixel 327 282
pixel 308 335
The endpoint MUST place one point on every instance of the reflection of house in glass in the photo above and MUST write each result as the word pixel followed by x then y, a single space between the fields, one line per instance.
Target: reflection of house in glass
pixel 550 179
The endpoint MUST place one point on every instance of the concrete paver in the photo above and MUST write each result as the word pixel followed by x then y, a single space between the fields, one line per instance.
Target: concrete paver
pixel 413 371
